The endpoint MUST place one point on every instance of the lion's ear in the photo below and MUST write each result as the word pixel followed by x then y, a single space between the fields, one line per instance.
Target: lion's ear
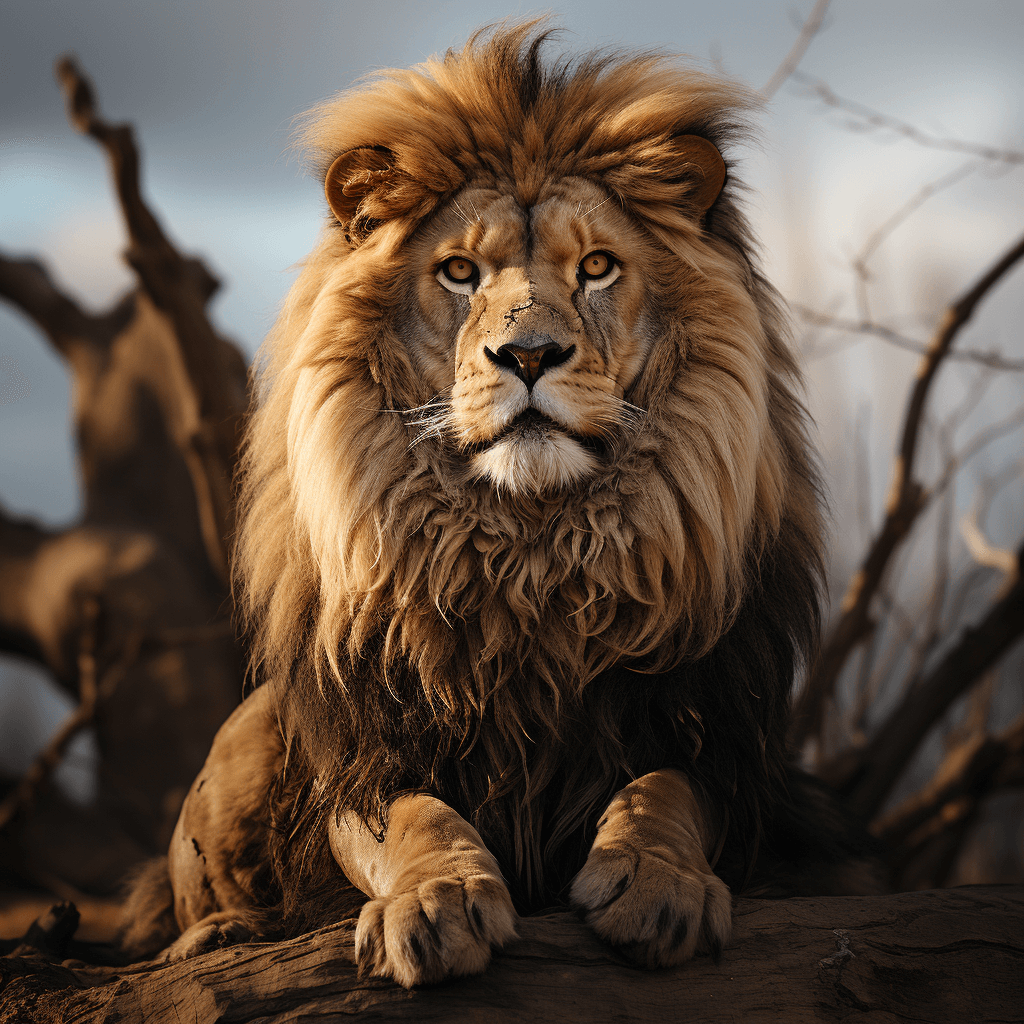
pixel 699 161
pixel 353 176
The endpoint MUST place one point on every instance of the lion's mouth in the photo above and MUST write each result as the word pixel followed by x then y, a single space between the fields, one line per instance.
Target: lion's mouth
pixel 532 426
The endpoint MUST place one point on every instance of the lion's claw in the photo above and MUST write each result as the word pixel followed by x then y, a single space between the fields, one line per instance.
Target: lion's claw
pixel 445 927
pixel 656 913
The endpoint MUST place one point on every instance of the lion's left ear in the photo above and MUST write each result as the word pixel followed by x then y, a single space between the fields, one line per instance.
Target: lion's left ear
pixel 355 175
pixel 699 161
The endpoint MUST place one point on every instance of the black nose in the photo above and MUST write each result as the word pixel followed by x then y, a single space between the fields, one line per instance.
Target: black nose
pixel 528 363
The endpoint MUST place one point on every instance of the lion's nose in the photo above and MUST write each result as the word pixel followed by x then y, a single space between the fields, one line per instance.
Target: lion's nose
pixel 529 363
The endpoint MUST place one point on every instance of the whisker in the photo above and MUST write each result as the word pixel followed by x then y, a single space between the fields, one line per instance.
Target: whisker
pixel 595 207
pixel 463 215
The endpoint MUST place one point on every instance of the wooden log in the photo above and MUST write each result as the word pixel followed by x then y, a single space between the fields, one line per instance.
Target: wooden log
pixel 952 955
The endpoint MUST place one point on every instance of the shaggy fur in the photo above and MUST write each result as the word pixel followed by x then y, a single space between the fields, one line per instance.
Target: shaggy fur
pixel 523 652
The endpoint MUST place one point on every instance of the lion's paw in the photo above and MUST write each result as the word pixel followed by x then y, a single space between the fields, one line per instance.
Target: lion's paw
pixel 655 913
pixel 212 932
pixel 443 928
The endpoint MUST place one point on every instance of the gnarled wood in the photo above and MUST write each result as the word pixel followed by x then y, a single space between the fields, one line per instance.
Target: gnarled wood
pixel 953 955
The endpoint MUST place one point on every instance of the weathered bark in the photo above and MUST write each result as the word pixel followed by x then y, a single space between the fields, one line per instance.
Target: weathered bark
pixel 140 581
pixel 953 955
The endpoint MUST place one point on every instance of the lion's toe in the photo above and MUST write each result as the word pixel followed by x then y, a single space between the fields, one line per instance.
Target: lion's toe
pixel 444 928
pixel 212 932
pixel 656 913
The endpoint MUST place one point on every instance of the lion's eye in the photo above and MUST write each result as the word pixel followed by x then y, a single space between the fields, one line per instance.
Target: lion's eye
pixel 459 275
pixel 598 269
pixel 597 264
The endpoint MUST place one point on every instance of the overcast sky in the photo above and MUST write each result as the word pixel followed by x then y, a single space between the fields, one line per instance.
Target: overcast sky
pixel 212 88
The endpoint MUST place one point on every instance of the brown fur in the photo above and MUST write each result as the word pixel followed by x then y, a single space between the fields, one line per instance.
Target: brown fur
pixel 426 631
pixel 524 644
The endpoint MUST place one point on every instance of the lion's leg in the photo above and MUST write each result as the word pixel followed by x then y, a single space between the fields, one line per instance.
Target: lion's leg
pixel 647 886
pixel 220 820
pixel 438 903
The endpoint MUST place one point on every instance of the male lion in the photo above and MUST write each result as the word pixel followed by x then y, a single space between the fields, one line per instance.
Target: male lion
pixel 530 537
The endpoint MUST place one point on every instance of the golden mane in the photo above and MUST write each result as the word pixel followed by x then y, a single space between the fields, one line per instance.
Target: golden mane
pixel 380 582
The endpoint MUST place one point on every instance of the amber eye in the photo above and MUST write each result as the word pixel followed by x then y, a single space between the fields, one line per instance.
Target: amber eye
pixel 459 270
pixel 596 265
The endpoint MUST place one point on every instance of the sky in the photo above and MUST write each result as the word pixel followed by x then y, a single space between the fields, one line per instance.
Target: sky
pixel 213 88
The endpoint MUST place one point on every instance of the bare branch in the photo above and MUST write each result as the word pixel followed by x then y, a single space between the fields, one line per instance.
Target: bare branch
pixel 208 413
pixel 868 119
pixel 20 541
pixel 916 201
pixel 878 766
pixel 906 499
pixel 93 691
pixel 808 31
pixel 22 796
pixel 974 770
pixel 982 551
pixel 27 285
pixel 992 360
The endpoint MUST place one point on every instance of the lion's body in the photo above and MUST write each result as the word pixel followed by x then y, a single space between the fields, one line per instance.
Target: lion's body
pixel 519 599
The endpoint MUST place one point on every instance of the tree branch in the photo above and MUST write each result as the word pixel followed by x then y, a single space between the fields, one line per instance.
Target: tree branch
pixel 872 119
pixel 27 285
pixel 971 772
pixel 22 796
pixel 791 62
pixel 20 542
pixel 866 778
pixel 208 411
pixel 991 360
pixel 906 499
pixel 945 957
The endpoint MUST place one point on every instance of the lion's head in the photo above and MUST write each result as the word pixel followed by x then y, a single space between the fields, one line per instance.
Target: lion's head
pixel 528 411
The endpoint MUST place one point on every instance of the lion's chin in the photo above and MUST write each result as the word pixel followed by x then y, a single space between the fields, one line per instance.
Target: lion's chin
pixel 534 462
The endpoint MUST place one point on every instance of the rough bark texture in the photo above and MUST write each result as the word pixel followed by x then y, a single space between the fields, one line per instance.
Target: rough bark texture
pixel 948 955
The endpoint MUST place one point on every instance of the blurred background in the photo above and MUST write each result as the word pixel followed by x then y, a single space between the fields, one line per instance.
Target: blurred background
pixel 869 225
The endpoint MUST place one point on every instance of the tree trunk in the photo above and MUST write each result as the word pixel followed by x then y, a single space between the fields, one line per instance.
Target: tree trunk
pixel 946 955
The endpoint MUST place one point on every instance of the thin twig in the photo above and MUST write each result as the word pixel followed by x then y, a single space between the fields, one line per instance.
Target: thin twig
pixel 993 360
pixel 869 119
pixel 791 61
pixel 912 205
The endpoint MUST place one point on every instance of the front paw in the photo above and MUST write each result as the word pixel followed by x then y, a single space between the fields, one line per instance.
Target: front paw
pixel 656 913
pixel 443 928
pixel 213 932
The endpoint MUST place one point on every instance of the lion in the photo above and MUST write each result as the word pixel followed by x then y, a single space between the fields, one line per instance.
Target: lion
pixel 530 537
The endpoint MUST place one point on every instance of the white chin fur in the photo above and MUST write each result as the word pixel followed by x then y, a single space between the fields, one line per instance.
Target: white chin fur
pixel 534 464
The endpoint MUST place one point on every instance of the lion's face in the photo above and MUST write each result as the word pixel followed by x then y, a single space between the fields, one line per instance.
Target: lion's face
pixel 533 321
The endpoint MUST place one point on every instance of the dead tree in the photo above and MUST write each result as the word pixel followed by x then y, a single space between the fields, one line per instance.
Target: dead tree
pixel 129 608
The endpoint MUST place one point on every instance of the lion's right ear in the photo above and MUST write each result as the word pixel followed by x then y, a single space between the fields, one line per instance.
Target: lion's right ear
pixel 353 176
pixel 700 162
